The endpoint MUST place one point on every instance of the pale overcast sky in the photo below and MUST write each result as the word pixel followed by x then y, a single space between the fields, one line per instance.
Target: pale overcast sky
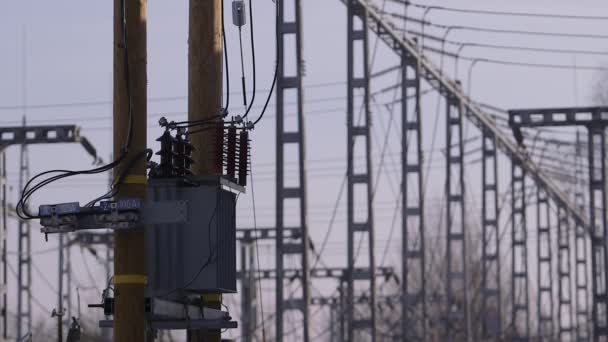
pixel 69 61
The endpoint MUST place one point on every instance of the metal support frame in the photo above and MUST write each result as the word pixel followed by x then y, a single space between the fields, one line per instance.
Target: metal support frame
pixel 564 277
pixel 24 136
pixel 291 80
pixel 491 302
pixel 64 288
pixel 3 236
pixel 248 292
pixel 597 210
pixel 581 263
pixel 520 313
pixel 24 253
pixel 544 309
pixel 413 300
pixel 359 176
pixel 596 121
pixel 342 304
pixel 457 314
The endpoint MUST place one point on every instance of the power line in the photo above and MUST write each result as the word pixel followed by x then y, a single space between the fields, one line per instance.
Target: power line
pixel 504 13
pixel 461 43
pixel 95 103
pixel 497 30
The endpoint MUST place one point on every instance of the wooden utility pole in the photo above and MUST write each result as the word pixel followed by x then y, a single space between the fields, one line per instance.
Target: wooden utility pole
pixel 204 101
pixel 129 253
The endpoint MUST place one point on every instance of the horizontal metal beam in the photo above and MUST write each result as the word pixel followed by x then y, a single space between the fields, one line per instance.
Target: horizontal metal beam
pixel 330 272
pixel 250 234
pixel 38 135
pixel 88 238
pixel 558 117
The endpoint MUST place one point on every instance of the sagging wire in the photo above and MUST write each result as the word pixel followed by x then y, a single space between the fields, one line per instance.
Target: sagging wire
pixel 22 208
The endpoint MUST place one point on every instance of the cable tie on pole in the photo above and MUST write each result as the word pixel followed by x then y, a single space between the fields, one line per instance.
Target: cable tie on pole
pixel 130 279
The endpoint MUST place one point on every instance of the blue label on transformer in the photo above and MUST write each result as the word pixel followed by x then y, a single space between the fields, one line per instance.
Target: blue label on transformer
pixel 121 205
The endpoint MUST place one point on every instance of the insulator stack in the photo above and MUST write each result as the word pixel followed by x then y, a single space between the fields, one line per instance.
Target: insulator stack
pixel 243 157
pixel 231 153
pixel 165 168
pixel 182 155
pixel 219 148
pixel 188 149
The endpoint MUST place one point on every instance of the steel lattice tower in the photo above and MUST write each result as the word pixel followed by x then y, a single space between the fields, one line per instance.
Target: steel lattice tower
pixel 291 81
pixel 24 254
pixel 520 314
pixel 359 176
pixel 491 302
pixel 544 273
pixel 413 305
pixel 457 313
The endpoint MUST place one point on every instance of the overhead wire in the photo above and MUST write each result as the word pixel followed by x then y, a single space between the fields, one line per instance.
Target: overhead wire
pixel 78 104
pixel 502 13
pixel 501 31
pixel 277 62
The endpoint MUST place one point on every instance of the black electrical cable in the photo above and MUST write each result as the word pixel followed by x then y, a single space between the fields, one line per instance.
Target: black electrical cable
pixel 194 123
pixel 243 85
pixel 26 193
pixel 127 77
pixel 21 207
pixel 116 186
pixel 276 68
pixel 226 64
pixel 252 60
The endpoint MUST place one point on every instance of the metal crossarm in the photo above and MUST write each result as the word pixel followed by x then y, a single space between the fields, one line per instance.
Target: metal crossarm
pixel 544 273
pixel 457 322
pixel 290 81
pixel 360 226
pixel 247 234
pixel 413 318
pixel 38 135
pixel 558 117
pixel 490 258
pixel 520 315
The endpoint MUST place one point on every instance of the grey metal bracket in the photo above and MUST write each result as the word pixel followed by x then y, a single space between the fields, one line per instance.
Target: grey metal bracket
pixel 168 315
pixel 70 217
